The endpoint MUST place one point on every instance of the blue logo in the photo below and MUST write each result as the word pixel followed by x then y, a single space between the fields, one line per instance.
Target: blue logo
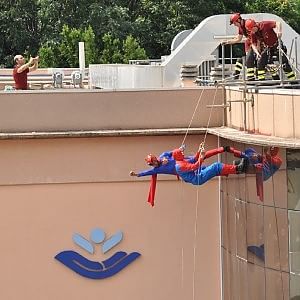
pixel 94 269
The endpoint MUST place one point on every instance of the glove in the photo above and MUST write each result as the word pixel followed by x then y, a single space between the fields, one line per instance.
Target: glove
pixel 182 147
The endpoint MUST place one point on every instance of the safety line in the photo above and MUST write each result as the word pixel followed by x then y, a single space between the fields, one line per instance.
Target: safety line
pixel 195 242
pixel 198 102
pixel 210 114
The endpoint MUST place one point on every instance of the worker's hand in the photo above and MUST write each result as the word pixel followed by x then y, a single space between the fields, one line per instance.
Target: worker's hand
pixel 224 43
pixel 36 59
pixel 132 173
pixel 31 60
pixel 182 147
pixel 258 56
pixel 164 161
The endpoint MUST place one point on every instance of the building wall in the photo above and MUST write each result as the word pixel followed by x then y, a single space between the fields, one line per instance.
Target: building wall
pixel 272 112
pixel 53 188
pixel 77 109
pixel 260 238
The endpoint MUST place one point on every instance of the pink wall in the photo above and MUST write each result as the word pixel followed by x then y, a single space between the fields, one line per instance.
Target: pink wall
pixel 78 109
pixel 53 188
pixel 274 112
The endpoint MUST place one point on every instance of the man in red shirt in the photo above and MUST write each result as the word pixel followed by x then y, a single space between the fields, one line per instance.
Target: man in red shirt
pixel 21 70
pixel 239 22
pixel 264 42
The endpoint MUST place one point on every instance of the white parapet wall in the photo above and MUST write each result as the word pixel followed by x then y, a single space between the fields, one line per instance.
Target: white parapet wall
pixel 117 76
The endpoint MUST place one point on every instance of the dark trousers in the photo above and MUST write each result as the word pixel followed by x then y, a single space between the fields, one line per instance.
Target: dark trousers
pixel 267 56
pixel 250 64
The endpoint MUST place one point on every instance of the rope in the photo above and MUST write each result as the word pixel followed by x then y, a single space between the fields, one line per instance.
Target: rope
pixel 201 149
pixel 195 242
pixel 198 102
pixel 210 114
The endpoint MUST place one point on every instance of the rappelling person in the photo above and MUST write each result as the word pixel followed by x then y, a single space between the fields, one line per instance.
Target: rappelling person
pixel 194 172
pixel 166 164
pixel 265 44
pixel 239 22
pixel 263 166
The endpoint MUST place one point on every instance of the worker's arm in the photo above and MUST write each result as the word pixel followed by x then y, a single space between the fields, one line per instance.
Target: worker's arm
pixel 25 66
pixel 35 64
pixel 235 40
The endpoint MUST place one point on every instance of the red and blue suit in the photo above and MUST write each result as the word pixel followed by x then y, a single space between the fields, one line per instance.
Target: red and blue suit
pixel 192 171
pixel 162 168
pixel 168 168
pixel 266 164
pixel 263 166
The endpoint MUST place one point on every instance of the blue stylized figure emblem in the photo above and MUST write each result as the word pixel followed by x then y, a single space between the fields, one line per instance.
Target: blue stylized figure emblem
pixel 95 269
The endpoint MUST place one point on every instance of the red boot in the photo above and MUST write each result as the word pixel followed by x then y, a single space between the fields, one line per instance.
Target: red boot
pixel 235 169
pixel 228 169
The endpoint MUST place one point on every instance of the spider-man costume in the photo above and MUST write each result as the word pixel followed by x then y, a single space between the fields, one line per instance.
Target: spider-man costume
pixel 167 168
pixel 264 166
pixel 192 170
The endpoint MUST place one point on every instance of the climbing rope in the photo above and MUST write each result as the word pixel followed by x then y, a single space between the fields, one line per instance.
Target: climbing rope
pixel 201 148
pixel 198 102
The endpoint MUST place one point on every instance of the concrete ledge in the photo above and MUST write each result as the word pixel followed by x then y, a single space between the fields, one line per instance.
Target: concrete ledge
pixel 254 139
pixel 101 133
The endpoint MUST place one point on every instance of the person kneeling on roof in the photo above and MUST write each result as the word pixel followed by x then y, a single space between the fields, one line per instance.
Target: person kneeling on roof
pixel 264 42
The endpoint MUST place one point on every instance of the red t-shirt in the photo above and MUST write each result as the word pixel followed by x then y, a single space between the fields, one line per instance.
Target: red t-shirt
pixel 243 31
pixel 20 79
pixel 265 33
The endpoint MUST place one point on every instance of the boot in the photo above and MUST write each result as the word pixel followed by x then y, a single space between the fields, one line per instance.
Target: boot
pixel 236 162
pixel 243 166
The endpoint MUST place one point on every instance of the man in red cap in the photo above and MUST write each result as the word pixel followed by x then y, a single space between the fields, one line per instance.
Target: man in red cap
pixel 264 42
pixel 21 70
pixel 239 22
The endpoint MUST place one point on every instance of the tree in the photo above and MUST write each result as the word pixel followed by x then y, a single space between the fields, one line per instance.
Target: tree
pixel 289 10
pixel 111 52
pixel 68 47
pixel 132 50
pixel 19 27
pixel 49 56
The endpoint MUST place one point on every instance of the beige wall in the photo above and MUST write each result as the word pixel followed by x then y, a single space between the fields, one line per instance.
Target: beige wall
pixel 51 189
pixel 76 109
pixel 273 113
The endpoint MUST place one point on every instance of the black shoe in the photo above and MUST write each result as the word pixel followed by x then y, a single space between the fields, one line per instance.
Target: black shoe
pixel 242 166
pixel 236 162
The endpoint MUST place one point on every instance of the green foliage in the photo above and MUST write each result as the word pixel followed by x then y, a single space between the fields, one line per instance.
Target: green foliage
pixel 111 29
pixel 48 54
pixel 111 53
pixel 132 50
pixel 19 27
pixel 69 51
pixel 289 10
pixel 91 52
